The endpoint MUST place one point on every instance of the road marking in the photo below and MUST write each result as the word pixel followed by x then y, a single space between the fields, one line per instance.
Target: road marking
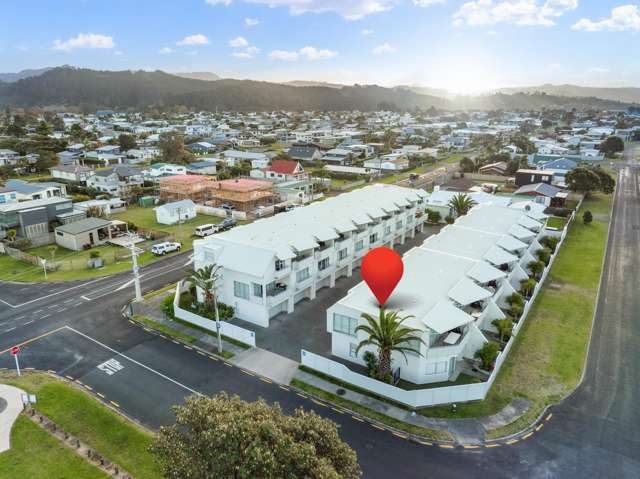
pixel 285 388
pixel 79 382
pixel 302 395
pixel 85 298
pixel 51 371
pixel 247 372
pixel 68 377
pixel 44 316
pixel 70 300
pixel 337 410
pixel 227 364
pixel 377 427
pixel 61 310
pixel 512 441
pixel 214 358
pixel 446 446
pixel 88 387
pixel 187 347
pixel 28 322
pixel 491 445
pixel 55 293
pixel 115 403
pixel 52 306
pixel 10 329
pixel 266 380
pixel 424 443
pixel 101 395
pixel 132 322
pixel 470 447
pixel 177 342
pixel 110 367
pixel 549 416
pixel 138 363
pixel 357 418
pixel 528 435
pixel 539 426
pixel 402 436
pixel 18 318
pixel 318 402
pixel 38 311
pixel 34 339
pixel 200 353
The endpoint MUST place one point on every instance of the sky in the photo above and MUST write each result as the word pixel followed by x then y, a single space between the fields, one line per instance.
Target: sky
pixel 463 46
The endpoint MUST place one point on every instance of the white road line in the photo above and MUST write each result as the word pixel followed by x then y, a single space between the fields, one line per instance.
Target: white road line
pixel 70 300
pixel 28 322
pixel 79 304
pixel 45 316
pixel 118 353
pixel 85 298
pixel 55 293
pixel 53 306
pixel 10 329
pixel 19 317
pixel 61 310
pixel 38 311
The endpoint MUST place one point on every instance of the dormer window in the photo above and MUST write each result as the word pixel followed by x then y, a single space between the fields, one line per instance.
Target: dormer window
pixel 280 265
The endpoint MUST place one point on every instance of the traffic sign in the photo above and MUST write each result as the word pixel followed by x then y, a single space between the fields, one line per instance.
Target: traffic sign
pixel 15 350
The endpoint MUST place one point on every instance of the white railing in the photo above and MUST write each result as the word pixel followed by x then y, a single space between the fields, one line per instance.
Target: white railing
pixel 431 396
pixel 227 329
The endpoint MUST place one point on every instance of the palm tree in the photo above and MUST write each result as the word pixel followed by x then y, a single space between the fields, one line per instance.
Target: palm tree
pixel 11 235
pixel 536 268
pixel 527 286
pixel 461 204
pixel 504 327
pixel 205 278
pixel 388 335
pixel 52 251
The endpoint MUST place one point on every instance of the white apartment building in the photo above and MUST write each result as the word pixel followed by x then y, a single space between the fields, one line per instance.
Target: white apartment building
pixel 273 263
pixel 454 285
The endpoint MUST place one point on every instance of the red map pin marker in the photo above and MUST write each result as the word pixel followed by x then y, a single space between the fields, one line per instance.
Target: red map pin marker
pixel 382 269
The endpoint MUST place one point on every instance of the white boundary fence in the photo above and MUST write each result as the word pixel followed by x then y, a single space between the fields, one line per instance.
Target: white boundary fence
pixel 227 329
pixel 431 396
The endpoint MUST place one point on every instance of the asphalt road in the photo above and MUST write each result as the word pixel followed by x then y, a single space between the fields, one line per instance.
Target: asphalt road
pixel 594 433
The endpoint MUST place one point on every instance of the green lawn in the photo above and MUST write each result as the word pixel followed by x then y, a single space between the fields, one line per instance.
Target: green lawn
pixel 546 361
pixel 35 454
pixel 74 262
pixel 86 418
pixel 556 222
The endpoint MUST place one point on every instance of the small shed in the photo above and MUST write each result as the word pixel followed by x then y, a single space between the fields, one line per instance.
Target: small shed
pixel 176 212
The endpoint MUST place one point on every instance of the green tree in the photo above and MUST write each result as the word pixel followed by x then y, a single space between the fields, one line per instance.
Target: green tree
pixel 587 217
pixel 536 268
pixel 544 255
pixel 527 286
pixel 461 204
pixel 504 327
pixel 172 146
pixel 225 437
pixel 611 146
pixel 206 278
pixel 126 142
pixel 607 183
pixel 583 180
pixel 52 249
pixel 468 165
pixel 488 354
pixel 387 334
pixel 433 216
pixel 11 235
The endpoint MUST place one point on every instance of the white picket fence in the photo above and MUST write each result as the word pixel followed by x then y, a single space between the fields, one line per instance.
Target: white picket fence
pixel 227 329
pixel 431 396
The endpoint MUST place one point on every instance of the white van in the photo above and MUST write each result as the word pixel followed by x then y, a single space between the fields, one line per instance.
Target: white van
pixel 206 230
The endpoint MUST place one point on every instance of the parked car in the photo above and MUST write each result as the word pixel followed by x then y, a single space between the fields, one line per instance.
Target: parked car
pixel 206 230
pixel 164 248
pixel 227 224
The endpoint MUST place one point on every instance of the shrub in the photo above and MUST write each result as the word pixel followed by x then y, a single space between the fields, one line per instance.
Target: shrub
pixel 527 286
pixel 515 298
pixel 449 219
pixel 550 242
pixel 167 306
pixel 371 361
pixel 433 216
pixel 488 354
pixel 587 217
pixel 544 255
pixel 94 254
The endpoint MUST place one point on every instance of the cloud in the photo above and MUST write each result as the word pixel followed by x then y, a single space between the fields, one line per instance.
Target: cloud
pixel 283 55
pixel 624 17
pixel 349 9
pixel 599 70
pixel 238 42
pixel 165 50
pixel 251 22
pixel 249 52
pixel 307 53
pixel 197 39
pixel 516 12
pixel 84 40
pixel 310 53
pixel 366 32
pixel 384 48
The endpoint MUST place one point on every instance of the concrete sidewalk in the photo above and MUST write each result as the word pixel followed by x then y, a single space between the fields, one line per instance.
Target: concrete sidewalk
pixel 464 431
pixel 10 408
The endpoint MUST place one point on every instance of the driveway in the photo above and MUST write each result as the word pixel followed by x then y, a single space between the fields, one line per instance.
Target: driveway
pixel 306 327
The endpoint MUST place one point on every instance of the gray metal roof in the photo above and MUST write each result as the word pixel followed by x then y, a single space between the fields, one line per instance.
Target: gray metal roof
pixel 82 226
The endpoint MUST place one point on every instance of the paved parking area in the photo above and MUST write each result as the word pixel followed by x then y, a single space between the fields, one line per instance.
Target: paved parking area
pixel 306 327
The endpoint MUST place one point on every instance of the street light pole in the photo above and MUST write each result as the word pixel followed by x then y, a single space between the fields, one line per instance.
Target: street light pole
pixel 44 266
pixel 136 272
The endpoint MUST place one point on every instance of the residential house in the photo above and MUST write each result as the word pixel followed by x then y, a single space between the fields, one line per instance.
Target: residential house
pixel 186 187
pixel 74 173
pixel 32 219
pixel 242 194
pixel 204 167
pixel 468 270
pixel 8 195
pixel 201 147
pixel 116 181
pixel 338 156
pixel 285 170
pixel 157 170
pixel 83 234
pixel 529 177
pixel 272 264
pixel 544 193
pixel 107 207
pixel 390 162
pixel 69 157
pixel 26 190
pixel 499 168
pixel 305 153
pixel 8 157
pixel 175 212
pixel 560 168
pixel 233 157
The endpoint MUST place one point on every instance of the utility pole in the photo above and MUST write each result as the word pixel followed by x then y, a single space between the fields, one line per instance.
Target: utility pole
pixel 134 263
pixel 44 267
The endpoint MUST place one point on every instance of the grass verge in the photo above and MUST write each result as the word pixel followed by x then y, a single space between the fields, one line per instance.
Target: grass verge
pixel 81 415
pixel 377 416
pixel 35 454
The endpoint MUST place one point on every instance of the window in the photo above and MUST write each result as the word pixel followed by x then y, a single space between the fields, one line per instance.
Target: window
pixel 438 367
pixel 399 225
pixel 387 230
pixel 280 265
pixel 324 264
pixel 373 238
pixel 302 275
pixel 352 350
pixel 344 324
pixel 359 245
pixel 240 290
pixel 342 254
pixel 257 289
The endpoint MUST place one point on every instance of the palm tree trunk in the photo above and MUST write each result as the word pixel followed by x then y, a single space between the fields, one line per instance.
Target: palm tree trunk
pixel 385 364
